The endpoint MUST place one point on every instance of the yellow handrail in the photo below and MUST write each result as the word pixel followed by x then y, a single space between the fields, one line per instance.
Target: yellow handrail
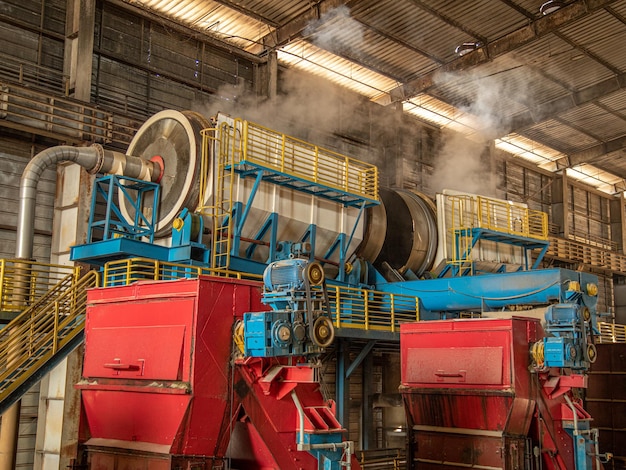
pixel 470 212
pixel 467 213
pixel 611 333
pixel 279 152
pixel 127 271
pixel 366 309
pixel 43 329
pixel 23 282
pixel 361 309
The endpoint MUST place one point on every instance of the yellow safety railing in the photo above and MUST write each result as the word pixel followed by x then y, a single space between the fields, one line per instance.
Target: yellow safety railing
pixel 218 144
pixel 303 160
pixel 350 307
pixel 125 272
pixel 244 145
pixel 611 333
pixel 42 330
pixel 371 310
pixel 469 212
pixel 23 282
pixel 466 213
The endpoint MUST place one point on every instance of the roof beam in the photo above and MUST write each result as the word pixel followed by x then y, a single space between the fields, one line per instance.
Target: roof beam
pixel 593 153
pixel 294 28
pixel 450 21
pixel 184 29
pixel 566 103
pixel 508 43
pixel 245 11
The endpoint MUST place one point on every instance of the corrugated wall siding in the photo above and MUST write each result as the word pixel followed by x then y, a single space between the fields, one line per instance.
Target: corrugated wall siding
pixel 14 156
pixel 33 30
pixel 142 67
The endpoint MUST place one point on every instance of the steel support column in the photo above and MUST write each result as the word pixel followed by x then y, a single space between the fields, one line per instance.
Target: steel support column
pixel 560 207
pixel 79 39
pixel 342 383
pixel 368 436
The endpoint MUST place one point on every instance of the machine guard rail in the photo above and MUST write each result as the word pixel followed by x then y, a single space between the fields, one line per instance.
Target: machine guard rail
pixel 382 459
pixel 41 335
pixel 23 282
pixel 127 271
pixel 365 309
pixel 611 333
pixel 253 144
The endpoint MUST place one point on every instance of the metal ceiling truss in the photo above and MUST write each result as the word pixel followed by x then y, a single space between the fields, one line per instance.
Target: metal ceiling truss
pixel 508 43
pixel 567 103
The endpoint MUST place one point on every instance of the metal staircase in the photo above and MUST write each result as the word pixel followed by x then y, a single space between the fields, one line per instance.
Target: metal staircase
pixel 43 334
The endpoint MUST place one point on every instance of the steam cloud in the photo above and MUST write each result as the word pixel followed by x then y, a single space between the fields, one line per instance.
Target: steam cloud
pixel 317 110
pixel 463 164
pixel 336 30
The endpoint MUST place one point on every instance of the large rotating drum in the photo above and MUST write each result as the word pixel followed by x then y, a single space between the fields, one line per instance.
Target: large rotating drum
pixel 173 136
pixel 400 233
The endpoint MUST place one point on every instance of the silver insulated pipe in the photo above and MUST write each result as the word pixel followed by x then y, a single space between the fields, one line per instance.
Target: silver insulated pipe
pixel 94 159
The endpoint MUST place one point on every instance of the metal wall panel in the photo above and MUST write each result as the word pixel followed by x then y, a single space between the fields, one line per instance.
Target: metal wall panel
pixel 39 37
pixel 522 184
pixel 606 401
pixel 25 457
pixel 142 67
pixel 606 301
pixel 14 156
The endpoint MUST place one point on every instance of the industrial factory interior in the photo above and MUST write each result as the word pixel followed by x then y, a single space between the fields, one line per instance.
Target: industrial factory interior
pixel 312 234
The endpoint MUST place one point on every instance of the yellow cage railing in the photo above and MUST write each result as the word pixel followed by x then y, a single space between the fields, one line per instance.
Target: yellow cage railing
pixel 125 272
pixel 350 307
pixel 300 159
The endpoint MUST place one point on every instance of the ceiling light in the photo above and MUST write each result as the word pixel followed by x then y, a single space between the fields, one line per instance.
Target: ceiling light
pixel 550 7
pixel 466 48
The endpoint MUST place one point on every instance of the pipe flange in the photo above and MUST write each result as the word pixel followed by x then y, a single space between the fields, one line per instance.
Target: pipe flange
pixel 100 153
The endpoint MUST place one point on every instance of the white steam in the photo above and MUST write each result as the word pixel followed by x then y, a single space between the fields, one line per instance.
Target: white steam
pixel 336 30
pixel 463 163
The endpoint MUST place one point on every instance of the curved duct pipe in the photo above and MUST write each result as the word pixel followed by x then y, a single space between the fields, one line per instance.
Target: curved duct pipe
pixel 94 159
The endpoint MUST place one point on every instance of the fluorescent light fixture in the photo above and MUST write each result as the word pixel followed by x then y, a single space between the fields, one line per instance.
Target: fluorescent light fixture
pixel 550 7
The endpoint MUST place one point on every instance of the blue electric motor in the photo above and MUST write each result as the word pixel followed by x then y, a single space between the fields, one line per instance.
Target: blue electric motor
pixel 299 322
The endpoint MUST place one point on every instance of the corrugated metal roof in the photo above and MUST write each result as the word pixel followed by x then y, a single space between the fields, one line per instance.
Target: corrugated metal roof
pixel 213 19
pixel 487 18
pixel 352 40
pixel 554 57
pixel 376 46
pixel 603 35
pixel 559 136
pixel 414 27
pixel 595 120
pixel 615 102
pixel 305 56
